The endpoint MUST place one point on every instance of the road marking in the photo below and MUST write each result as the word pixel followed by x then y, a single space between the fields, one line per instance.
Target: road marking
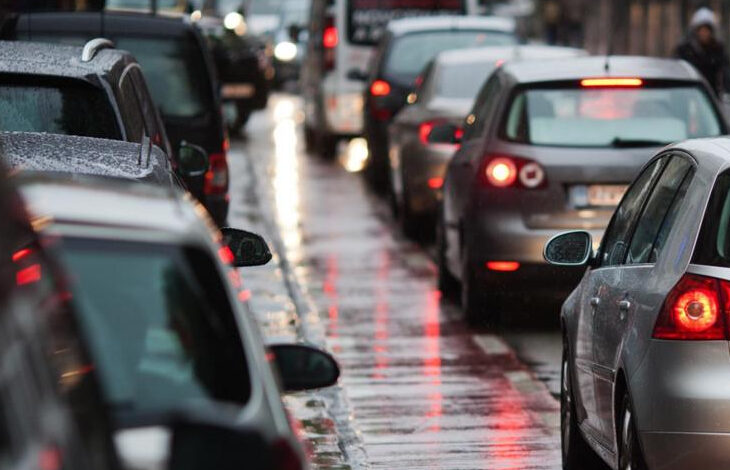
pixel 491 344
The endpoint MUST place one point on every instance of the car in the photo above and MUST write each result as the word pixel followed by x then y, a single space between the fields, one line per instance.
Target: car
pixel 50 400
pixel 342 39
pixel 290 41
pixel 550 146
pixel 168 327
pixel 417 156
pixel 178 67
pixel 645 332
pixel 32 151
pixel 404 50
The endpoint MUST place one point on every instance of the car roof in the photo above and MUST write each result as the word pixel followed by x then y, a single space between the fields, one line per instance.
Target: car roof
pixel 595 66
pixel 107 22
pixel 54 60
pixel 87 205
pixel 712 153
pixel 435 23
pixel 506 53
pixel 73 154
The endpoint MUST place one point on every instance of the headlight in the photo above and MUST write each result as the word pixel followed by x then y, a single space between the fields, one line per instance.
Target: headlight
pixel 235 22
pixel 285 51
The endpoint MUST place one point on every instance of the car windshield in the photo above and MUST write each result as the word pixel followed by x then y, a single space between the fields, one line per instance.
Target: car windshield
pixel 462 80
pixel 159 325
pixel 410 53
pixel 70 107
pixel 606 117
pixel 176 74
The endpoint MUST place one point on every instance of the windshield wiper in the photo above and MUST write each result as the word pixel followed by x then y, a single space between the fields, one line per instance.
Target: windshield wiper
pixel 624 143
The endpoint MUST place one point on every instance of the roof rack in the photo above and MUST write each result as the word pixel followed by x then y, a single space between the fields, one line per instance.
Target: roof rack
pixel 94 46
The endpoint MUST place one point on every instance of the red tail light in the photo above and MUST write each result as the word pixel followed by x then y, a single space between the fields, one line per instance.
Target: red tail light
pixel 285 457
pixel 216 179
pixel 503 266
pixel 610 82
pixel 330 39
pixel 695 309
pixel 425 129
pixel 380 88
pixel 502 171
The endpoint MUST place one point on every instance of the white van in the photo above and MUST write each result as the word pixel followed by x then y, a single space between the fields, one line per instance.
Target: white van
pixel 342 39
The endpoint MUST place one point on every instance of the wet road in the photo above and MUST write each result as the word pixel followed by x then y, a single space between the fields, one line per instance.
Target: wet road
pixel 425 391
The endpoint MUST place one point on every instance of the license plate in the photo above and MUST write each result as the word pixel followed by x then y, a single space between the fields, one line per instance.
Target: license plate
pixel 605 194
pixel 238 90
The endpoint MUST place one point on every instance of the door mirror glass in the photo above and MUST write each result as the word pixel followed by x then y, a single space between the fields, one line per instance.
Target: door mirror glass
pixel 445 134
pixel 305 367
pixel 249 249
pixel 193 160
pixel 569 249
pixel 357 75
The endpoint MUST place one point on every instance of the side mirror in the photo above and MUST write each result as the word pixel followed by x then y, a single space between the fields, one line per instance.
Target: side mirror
pixel 569 249
pixel 305 367
pixel 193 160
pixel 357 75
pixel 445 133
pixel 249 249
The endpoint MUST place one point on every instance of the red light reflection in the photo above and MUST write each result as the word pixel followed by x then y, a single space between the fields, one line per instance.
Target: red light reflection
pixel 28 275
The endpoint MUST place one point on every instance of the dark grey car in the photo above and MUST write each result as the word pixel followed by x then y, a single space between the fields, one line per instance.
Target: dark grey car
pixel 645 358
pixel 550 146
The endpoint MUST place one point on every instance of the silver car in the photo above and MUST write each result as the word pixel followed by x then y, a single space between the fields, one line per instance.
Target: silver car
pixel 164 315
pixel 646 382
pixel 551 146
pixel 418 156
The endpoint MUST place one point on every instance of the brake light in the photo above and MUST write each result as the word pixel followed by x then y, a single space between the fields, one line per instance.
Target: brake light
pixel 695 309
pixel 28 275
pixel 330 37
pixel 502 171
pixel 380 88
pixel 226 255
pixel 425 129
pixel 503 266
pixel 216 178
pixel 285 458
pixel 611 82
pixel 436 182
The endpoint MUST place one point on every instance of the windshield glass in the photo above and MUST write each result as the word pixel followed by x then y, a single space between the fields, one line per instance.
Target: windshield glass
pixel 160 328
pixel 610 116
pixel 410 53
pixel 69 107
pixel 176 74
pixel 462 80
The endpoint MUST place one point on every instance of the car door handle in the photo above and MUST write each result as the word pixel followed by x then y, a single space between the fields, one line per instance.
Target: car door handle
pixel 624 305
pixel 595 301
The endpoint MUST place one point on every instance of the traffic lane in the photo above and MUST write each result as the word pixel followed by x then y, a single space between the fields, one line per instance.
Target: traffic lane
pixel 426 392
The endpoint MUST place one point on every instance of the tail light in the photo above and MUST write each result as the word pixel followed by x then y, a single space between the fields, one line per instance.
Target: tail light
pixel 216 179
pixel 380 88
pixel 695 309
pixel 285 457
pixel 330 39
pixel 425 134
pixel 611 82
pixel 503 266
pixel 501 171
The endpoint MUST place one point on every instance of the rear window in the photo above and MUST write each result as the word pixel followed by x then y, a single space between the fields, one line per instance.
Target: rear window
pixel 367 19
pixel 70 107
pixel 713 245
pixel 462 80
pixel 606 117
pixel 159 325
pixel 176 74
pixel 409 54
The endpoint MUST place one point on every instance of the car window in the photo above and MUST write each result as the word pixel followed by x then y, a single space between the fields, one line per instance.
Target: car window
pixel 462 80
pixel 606 117
pixel 476 122
pixel 160 325
pixel 656 220
pixel 616 239
pixel 70 107
pixel 713 244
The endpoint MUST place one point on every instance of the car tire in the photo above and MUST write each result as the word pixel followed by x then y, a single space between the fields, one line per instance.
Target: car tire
pixel 629 448
pixel 447 283
pixel 236 127
pixel 577 454
pixel 413 225
pixel 480 307
pixel 327 145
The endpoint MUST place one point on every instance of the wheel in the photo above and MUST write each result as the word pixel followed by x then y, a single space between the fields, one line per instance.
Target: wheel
pixel 327 145
pixel 480 307
pixel 242 116
pixel 447 283
pixel 629 449
pixel 413 225
pixel 577 454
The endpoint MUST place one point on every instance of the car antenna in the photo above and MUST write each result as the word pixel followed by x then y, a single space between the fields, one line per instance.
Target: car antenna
pixel 609 48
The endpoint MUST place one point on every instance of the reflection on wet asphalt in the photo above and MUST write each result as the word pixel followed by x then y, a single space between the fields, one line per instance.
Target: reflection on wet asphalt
pixel 426 392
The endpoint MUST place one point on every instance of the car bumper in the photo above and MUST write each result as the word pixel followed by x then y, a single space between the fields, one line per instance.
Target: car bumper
pixel 423 170
pixel 680 451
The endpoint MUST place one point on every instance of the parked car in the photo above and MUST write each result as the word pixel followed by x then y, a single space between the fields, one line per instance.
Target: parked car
pixel 645 333
pixel 50 401
pixel 90 156
pixel 417 155
pixel 166 327
pixel 342 37
pixel 550 146
pixel 178 68
pixel 404 50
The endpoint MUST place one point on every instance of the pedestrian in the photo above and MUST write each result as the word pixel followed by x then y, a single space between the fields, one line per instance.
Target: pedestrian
pixel 705 52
